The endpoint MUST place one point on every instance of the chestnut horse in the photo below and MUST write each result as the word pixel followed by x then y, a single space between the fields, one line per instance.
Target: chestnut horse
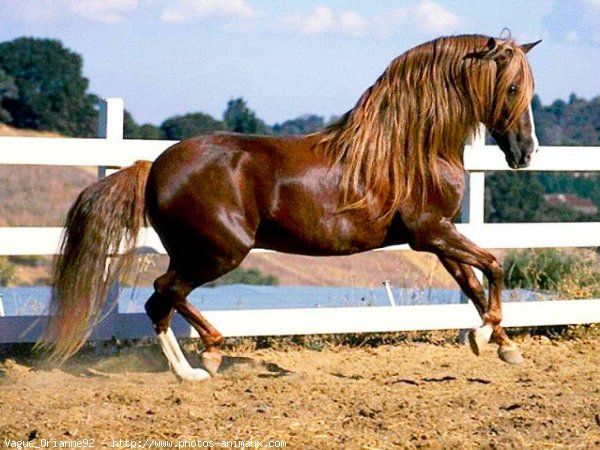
pixel 389 172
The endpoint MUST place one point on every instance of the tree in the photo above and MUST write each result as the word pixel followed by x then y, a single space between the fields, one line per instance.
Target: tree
pixel 241 119
pixel 512 197
pixel 131 130
pixel 151 132
pixel 190 125
pixel 536 103
pixel 8 90
pixel 306 124
pixel 550 213
pixel 52 92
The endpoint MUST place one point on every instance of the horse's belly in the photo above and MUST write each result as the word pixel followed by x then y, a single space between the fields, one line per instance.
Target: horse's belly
pixel 315 240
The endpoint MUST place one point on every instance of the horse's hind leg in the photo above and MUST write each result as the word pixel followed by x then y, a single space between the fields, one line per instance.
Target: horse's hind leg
pixel 160 311
pixel 179 289
pixel 172 289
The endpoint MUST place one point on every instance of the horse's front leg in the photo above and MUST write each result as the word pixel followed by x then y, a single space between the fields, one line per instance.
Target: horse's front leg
pixel 468 282
pixel 470 285
pixel 459 255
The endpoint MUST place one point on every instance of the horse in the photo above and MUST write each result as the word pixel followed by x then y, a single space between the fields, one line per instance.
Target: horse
pixel 390 171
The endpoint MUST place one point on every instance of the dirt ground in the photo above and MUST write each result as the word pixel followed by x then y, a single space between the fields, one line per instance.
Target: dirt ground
pixel 409 395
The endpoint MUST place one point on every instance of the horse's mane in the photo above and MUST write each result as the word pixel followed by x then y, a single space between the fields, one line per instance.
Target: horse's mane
pixel 419 110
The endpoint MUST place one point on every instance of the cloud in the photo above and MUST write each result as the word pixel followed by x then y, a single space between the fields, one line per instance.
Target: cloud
pixel 190 10
pixel 575 22
pixel 320 20
pixel 418 17
pixel 353 22
pixel 433 16
pixel 32 11
pixel 323 20
pixel 422 17
pixel 108 11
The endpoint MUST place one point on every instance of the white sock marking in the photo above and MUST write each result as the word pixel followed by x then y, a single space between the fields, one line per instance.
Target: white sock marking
pixel 177 361
pixel 172 342
pixel 485 332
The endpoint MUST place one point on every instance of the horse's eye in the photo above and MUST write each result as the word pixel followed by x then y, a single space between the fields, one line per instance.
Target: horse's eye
pixel 512 89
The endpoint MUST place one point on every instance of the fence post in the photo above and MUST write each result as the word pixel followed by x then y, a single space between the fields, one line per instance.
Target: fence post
pixel 473 203
pixel 110 123
pixel 110 127
pixel 472 209
pixel 389 292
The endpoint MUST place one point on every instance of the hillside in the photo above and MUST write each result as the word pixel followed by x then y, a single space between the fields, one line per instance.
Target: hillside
pixel 38 195
pixel 402 269
pixel 42 195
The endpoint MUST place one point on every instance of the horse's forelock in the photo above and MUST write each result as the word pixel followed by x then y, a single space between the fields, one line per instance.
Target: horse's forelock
pixel 516 71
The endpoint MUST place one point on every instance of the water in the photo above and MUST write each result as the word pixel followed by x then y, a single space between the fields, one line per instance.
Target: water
pixel 19 301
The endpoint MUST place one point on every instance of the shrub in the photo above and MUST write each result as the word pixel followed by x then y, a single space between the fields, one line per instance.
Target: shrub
pixel 245 276
pixel 27 260
pixel 7 272
pixel 569 274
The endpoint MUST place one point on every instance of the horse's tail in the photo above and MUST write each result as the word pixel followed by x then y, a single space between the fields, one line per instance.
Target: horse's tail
pixel 104 221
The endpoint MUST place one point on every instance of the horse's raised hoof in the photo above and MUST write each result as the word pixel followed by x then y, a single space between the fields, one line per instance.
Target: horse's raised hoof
pixel 211 362
pixel 510 354
pixel 479 337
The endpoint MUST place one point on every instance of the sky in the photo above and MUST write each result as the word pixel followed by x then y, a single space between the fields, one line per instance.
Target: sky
pixel 288 58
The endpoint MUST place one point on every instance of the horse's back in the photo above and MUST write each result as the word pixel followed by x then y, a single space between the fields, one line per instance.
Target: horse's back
pixel 220 186
pixel 217 158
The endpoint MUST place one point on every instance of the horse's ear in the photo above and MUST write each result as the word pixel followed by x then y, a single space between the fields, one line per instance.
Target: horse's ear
pixel 527 47
pixel 489 52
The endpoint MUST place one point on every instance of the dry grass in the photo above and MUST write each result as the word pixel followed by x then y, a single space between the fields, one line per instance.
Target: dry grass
pixel 33 196
pixel 584 282
pixel 6 130
pixel 36 196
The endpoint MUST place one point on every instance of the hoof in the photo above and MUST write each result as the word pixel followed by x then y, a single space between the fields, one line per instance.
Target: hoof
pixel 192 375
pixel 510 354
pixel 211 362
pixel 217 363
pixel 479 337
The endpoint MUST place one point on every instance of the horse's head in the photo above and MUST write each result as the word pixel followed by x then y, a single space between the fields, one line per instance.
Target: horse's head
pixel 519 142
pixel 508 115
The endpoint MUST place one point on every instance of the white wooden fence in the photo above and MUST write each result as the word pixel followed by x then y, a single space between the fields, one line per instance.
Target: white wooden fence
pixel 112 151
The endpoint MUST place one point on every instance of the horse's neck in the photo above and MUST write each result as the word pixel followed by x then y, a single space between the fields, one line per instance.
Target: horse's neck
pixel 453 151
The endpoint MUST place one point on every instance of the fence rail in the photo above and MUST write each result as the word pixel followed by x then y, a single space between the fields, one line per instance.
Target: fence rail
pixel 112 151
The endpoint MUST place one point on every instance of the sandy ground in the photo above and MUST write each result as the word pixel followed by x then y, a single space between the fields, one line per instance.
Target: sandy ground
pixel 414 395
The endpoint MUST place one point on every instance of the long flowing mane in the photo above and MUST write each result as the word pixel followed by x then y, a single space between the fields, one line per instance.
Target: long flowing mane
pixel 421 109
